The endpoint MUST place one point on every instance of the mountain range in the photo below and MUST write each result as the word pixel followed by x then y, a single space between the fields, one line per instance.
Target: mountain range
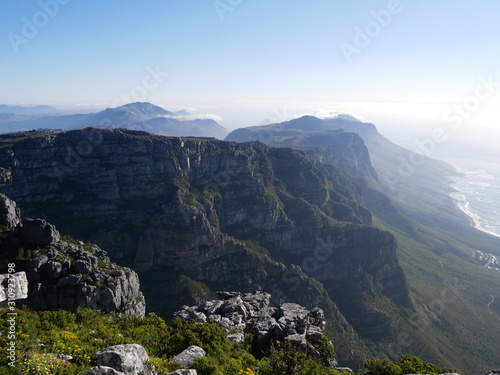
pixel 322 216
pixel 134 116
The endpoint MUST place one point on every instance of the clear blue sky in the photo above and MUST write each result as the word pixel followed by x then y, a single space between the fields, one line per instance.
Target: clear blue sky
pixel 270 54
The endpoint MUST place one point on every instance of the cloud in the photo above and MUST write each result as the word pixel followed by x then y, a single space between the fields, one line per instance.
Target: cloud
pixel 326 114
pixel 197 116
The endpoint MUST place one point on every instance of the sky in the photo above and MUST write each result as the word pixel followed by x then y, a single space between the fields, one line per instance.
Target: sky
pixel 409 66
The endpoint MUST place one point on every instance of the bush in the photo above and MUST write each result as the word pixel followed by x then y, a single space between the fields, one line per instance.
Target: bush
pixel 376 366
pixel 407 365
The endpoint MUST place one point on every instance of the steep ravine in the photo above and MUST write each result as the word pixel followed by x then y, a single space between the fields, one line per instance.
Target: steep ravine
pixel 196 215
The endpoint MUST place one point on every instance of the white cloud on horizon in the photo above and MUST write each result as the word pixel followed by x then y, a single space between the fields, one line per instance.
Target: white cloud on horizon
pixel 326 114
pixel 196 116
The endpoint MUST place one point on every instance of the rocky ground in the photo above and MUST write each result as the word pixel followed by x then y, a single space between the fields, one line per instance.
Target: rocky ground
pixel 54 273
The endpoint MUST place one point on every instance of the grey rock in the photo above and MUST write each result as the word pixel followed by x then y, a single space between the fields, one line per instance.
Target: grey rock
pixel 199 316
pixel 314 333
pixel 188 356
pixel 10 215
pixel 289 322
pixel 82 266
pixel 37 232
pixel 16 281
pixel 66 265
pixel 297 339
pixel 237 337
pixel 116 273
pixel 52 269
pixel 32 267
pixel 214 318
pixel 292 312
pixel 103 370
pixel 226 323
pixel 110 289
pixel 128 358
pixel 257 300
pixel 74 279
pixel 184 372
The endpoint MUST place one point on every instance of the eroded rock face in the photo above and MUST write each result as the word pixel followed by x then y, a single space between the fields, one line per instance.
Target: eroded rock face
pixel 240 216
pixel 57 274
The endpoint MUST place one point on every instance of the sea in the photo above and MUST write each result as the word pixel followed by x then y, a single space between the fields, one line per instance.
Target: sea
pixel 478 193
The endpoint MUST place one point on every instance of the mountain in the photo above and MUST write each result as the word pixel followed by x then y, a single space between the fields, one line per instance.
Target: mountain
pixel 409 196
pixel 133 116
pixel 193 216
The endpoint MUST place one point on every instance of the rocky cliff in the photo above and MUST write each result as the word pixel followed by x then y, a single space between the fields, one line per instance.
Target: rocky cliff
pixel 194 215
pixel 63 273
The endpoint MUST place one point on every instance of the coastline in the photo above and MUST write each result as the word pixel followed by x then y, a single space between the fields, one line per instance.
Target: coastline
pixel 461 201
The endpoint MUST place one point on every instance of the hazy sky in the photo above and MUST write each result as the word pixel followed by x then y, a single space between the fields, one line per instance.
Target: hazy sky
pixel 396 63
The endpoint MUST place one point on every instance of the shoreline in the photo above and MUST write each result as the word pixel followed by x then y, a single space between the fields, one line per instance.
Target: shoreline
pixel 473 217
pixel 463 205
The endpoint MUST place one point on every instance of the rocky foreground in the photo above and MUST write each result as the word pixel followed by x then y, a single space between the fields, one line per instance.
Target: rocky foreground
pixel 53 273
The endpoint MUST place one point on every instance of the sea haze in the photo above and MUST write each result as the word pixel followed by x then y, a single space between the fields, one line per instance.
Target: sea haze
pixel 478 194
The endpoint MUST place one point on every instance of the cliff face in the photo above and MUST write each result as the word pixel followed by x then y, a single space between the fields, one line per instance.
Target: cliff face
pixel 226 215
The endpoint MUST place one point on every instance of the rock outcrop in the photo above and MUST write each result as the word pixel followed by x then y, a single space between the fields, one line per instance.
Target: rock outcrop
pixel 10 215
pixel 58 274
pixel 252 313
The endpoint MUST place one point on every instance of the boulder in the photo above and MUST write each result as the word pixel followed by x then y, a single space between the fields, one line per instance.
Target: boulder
pixel 129 358
pixel 38 232
pixel 188 356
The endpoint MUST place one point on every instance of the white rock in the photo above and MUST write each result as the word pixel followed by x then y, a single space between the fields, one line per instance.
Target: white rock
pixel 188 356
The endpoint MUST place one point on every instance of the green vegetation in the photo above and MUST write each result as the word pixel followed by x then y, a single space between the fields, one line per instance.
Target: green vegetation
pixel 40 335
pixel 406 365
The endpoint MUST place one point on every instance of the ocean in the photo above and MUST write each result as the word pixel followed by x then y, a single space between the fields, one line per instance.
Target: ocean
pixel 478 194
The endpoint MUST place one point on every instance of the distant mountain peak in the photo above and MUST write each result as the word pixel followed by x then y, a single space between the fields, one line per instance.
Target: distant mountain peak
pixel 145 108
pixel 307 123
